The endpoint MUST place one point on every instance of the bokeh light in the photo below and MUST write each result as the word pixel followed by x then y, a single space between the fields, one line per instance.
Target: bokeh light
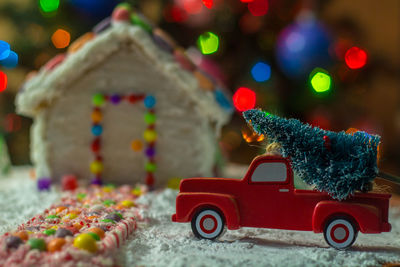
pixel 251 136
pixel 3 81
pixel 61 38
pixel 258 7
pixel 11 61
pixel 192 6
pixel 320 80
pixel 208 3
pixel 4 50
pixel 355 58
pixel 208 43
pixel 48 6
pixel 244 99
pixel 261 72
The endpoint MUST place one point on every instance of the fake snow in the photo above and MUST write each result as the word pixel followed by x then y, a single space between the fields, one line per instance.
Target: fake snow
pixel 164 243
pixel 160 242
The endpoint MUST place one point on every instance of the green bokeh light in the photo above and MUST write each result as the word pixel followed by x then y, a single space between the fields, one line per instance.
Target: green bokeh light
pixel 49 5
pixel 321 81
pixel 208 43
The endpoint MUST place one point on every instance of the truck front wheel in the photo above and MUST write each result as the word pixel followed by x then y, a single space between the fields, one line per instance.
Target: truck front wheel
pixel 207 224
pixel 340 233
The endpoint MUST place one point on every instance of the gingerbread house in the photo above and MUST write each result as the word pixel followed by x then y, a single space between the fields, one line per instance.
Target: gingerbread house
pixel 124 105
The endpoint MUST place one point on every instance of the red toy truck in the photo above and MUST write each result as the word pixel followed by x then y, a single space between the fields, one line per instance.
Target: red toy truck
pixel 266 198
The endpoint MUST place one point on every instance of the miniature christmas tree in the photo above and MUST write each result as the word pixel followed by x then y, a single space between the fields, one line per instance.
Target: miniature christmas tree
pixel 337 163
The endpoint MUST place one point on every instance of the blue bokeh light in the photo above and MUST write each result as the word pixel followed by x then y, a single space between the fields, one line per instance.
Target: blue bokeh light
pixel 261 72
pixel 4 50
pixel 11 61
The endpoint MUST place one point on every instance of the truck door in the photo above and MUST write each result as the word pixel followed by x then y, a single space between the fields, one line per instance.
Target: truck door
pixel 269 195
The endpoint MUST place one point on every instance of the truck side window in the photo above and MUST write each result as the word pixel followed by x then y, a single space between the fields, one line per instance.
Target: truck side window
pixel 270 172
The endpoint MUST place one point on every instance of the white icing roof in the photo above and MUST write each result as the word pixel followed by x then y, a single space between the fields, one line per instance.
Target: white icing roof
pixel 45 87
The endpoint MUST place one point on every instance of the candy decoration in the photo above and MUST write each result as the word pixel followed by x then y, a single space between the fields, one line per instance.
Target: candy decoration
pixel 150 118
pixel 98 231
pixel 150 136
pixel 121 14
pixel 98 100
pixel 80 42
pixel 150 152
pixel 22 234
pixel 49 232
pixel 13 242
pixel 3 81
pixel 97 130
pixel 94 235
pixel 149 101
pixel 128 203
pixel 96 167
pixel 85 242
pixel 62 232
pixel 11 61
pixel 37 243
pixel 150 167
pixel 44 183
pixel 4 50
pixel 102 25
pixel 96 181
pixel 222 100
pixel 53 216
pixel 137 20
pixel 108 202
pixel 54 62
pixel 69 182
pixel 204 81
pixel 56 244
pixel 60 209
pixel 183 60
pixel 115 99
pixel 136 145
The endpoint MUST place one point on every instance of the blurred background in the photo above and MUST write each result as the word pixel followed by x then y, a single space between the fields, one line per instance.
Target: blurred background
pixel 331 63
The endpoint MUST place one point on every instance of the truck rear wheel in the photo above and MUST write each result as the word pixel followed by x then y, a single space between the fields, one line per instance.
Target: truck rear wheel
pixel 340 233
pixel 208 224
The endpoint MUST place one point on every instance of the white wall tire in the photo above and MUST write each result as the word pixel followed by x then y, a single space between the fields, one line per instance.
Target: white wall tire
pixel 208 224
pixel 340 233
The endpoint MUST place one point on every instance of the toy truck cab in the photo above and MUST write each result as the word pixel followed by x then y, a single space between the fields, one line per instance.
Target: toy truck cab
pixel 266 198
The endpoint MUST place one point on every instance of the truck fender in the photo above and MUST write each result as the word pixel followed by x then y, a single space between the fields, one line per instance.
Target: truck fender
pixel 366 217
pixel 191 203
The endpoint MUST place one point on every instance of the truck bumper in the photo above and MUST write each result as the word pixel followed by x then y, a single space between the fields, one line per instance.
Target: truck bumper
pixel 386 227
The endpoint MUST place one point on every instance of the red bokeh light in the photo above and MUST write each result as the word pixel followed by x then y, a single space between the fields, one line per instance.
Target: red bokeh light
pixel 208 3
pixel 192 6
pixel 355 58
pixel 175 14
pixel 3 81
pixel 258 7
pixel 244 99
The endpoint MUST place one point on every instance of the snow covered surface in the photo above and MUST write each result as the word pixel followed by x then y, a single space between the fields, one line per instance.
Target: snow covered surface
pixel 163 243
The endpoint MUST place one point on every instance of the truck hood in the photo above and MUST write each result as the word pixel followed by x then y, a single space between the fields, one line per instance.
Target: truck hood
pixel 209 185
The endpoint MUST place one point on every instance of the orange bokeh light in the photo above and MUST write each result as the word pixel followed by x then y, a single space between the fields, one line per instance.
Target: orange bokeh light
pixel 61 38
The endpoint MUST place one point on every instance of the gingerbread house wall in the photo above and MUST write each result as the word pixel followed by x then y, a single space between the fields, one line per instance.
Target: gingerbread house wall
pixel 62 132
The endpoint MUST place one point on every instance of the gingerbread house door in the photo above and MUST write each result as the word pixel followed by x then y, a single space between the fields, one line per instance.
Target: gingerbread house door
pixel 124 137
